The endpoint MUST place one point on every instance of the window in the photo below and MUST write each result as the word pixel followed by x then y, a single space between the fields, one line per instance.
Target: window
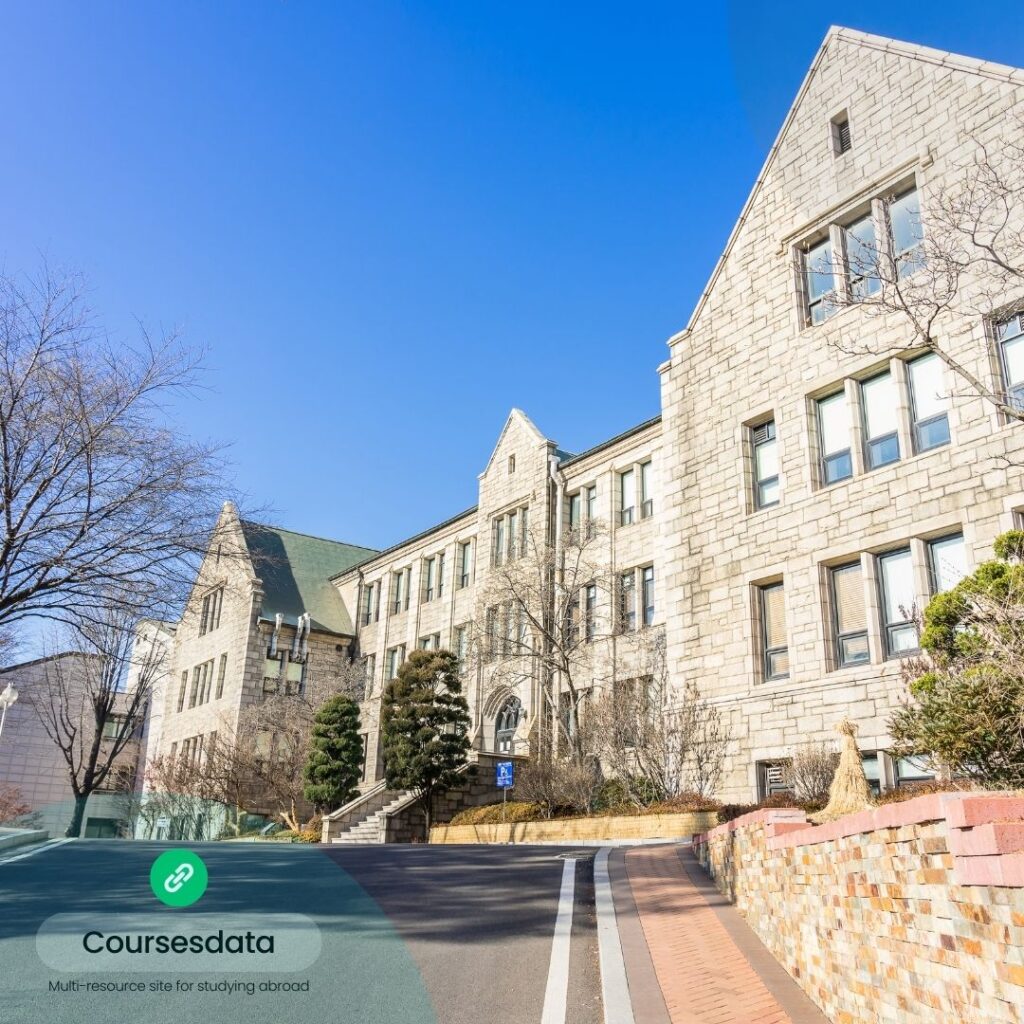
pixel 766 465
pixel 396 655
pixel 511 464
pixel 440 574
pixel 571 628
pixel 627 602
pixel 462 644
pixel 505 725
pixel 627 497
pixel 430 580
pixel 819 282
pixel 834 430
pixel 872 770
pixel 899 603
pixel 862 258
pixel 880 401
pixel 772 778
pixel 1010 336
pixel 905 233
pixel 575 506
pixel 773 629
pixel 209 618
pixel 646 491
pixel 371 603
pixel 431 642
pixel 851 625
pixel 912 769
pixel 464 563
pixel 947 562
pixel 927 404
pixel 400 590
pixel 112 726
pixel 840 132
pixel 591 510
pixel 193 694
pixel 648 595
pixel 181 692
pixel 509 535
pixel 590 611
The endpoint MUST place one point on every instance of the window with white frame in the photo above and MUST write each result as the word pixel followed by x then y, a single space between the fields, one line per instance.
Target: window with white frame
pixel 395 658
pixel 766 464
pixel 647 593
pixel 947 562
pixel 898 602
pixel 905 233
pixel 400 581
pixel 834 434
pixel 880 403
pixel 371 603
pixel 430 642
pixel 430 579
pixel 221 673
pixel 820 282
pixel 464 564
pixel 646 490
pixel 850 622
pixel 575 511
pixel 627 497
pixel 772 778
pixel 627 602
pixel 862 258
pixel 590 611
pixel 1010 338
pixel 774 641
pixel 928 402
pixel 509 535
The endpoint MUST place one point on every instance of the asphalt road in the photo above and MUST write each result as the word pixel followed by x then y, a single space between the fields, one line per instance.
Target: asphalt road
pixel 413 934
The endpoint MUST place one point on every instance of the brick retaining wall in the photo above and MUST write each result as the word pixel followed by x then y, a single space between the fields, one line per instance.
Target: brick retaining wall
pixel 570 830
pixel 912 912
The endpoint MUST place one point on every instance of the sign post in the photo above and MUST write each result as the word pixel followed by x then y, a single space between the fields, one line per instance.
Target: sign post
pixel 504 779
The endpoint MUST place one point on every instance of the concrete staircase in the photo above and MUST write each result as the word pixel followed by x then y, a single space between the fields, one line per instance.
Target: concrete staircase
pixel 373 827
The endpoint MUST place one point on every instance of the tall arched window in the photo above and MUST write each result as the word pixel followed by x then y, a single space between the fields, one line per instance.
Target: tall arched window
pixel 505 725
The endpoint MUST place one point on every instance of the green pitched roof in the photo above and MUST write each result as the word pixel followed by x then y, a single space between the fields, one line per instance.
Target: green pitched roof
pixel 296 570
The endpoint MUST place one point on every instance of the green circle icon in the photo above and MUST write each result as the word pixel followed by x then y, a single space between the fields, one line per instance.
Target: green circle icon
pixel 178 878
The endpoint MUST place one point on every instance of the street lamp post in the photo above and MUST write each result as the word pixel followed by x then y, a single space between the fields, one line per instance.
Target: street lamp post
pixel 8 695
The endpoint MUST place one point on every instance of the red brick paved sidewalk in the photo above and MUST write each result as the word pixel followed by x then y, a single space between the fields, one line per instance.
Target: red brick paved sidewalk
pixel 711 968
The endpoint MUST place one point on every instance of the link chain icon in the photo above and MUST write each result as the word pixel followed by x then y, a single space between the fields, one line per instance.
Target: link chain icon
pixel 178 878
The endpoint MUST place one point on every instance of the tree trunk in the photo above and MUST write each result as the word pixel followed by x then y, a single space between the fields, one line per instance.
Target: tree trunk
pixel 77 816
pixel 427 801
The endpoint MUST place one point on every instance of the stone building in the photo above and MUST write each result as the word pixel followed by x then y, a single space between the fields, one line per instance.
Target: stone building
pixel 796 503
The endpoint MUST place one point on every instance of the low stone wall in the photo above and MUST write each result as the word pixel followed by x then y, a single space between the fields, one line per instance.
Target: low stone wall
pixel 571 830
pixel 911 912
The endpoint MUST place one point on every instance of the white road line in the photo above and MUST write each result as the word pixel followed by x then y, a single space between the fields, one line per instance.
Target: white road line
pixel 618 1007
pixel 556 994
pixel 38 849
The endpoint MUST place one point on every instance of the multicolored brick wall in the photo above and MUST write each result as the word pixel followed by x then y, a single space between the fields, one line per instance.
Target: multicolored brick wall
pixel 910 913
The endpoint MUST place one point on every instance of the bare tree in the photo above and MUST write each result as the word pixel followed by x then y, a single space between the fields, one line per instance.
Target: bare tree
pixel 809 772
pixel 103 505
pixel 658 743
pixel 89 710
pixel 966 264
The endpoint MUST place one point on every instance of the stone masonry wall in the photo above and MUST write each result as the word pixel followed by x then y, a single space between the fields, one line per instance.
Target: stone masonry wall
pixel 912 912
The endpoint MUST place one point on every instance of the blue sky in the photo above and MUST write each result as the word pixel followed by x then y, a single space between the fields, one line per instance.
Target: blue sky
pixel 390 222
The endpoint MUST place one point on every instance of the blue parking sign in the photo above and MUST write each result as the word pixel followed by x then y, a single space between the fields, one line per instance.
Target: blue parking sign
pixel 505 774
